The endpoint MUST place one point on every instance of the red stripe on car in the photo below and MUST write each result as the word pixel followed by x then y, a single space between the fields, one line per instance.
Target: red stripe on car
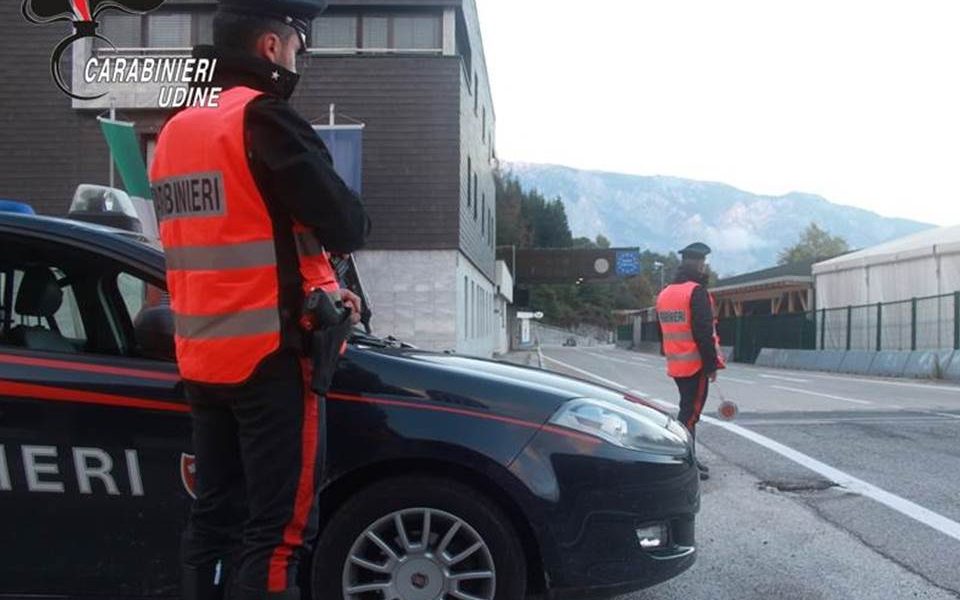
pixel 56 394
pixel 26 361
pixel 463 412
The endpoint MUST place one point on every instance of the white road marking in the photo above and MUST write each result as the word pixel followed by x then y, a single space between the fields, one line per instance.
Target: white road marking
pixel 734 379
pixel 921 386
pixel 603 380
pixel 901 505
pixel 946 415
pixel 781 378
pixel 618 360
pixel 868 490
pixel 818 394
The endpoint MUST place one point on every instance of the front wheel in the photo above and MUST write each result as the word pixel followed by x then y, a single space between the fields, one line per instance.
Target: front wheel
pixel 419 538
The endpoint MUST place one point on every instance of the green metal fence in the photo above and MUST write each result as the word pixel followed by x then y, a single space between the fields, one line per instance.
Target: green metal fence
pixel 931 323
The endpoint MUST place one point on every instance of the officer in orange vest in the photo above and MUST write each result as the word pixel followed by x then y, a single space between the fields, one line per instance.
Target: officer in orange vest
pixel 250 205
pixel 688 332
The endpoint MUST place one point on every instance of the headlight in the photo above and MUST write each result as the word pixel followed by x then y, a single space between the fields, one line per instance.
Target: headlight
pixel 619 426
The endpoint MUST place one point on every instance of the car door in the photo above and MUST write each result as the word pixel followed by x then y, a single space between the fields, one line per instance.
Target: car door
pixel 93 430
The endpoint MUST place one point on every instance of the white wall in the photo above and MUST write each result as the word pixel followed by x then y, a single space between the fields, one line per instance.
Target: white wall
pixel 413 295
pixel 477 323
pixel 908 277
pixel 418 297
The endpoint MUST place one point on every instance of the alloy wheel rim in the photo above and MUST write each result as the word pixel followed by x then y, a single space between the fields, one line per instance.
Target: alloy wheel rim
pixel 419 554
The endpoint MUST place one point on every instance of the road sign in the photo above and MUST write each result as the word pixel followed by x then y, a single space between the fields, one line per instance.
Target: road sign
pixel 628 264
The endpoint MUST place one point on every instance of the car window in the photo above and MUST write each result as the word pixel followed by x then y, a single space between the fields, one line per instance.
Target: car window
pixel 66 322
pixel 143 303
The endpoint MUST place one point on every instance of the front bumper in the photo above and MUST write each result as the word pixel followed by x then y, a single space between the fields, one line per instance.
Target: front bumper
pixel 588 501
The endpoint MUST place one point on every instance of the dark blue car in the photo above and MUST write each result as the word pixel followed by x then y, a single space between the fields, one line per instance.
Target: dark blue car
pixel 446 477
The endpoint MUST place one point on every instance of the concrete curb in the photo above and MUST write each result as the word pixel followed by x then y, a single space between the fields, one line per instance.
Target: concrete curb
pixel 808 360
pixel 922 365
pixel 768 357
pixel 789 359
pixel 889 364
pixel 830 360
pixel 951 370
pixel 857 362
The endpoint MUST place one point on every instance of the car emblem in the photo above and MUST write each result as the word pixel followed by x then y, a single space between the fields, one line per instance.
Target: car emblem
pixel 188 473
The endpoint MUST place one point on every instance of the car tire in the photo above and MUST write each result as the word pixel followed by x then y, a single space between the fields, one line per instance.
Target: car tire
pixel 472 522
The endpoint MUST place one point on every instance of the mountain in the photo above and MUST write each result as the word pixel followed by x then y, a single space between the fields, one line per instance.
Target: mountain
pixel 663 214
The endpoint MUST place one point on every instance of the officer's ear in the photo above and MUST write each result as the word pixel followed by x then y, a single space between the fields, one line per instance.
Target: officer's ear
pixel 270 47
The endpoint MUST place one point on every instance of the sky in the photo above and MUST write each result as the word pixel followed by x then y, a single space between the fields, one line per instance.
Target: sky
pixel 857 101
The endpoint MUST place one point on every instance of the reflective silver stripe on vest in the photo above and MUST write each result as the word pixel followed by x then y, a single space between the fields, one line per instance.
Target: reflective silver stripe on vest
pixel 688 357
pixel 678 337
pixel 248 255
pixel 250 322
pixel 308 244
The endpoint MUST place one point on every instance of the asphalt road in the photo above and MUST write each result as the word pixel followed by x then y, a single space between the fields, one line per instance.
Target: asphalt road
pixel 824 487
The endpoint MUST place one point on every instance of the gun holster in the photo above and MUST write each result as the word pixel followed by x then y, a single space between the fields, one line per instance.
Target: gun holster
pixel 329 327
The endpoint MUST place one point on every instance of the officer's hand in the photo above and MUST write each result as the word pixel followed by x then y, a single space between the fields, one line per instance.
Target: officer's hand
pixel 353 302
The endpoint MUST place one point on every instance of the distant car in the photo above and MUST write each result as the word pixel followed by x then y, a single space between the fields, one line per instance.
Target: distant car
pixel 446 477
pixel 570 341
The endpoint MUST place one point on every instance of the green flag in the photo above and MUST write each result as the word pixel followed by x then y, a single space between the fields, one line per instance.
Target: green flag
pixel 125 149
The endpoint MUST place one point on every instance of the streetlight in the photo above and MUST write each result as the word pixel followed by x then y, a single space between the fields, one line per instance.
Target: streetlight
pixel 659 266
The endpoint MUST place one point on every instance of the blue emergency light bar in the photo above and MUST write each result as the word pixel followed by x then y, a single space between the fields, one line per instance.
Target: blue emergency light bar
pixel 12 206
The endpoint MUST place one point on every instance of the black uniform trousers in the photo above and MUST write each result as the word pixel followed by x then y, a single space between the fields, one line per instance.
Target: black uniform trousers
pixel 258 458
pixel 693 396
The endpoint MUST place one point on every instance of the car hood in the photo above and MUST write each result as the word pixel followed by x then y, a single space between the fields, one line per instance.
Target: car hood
pixel 499 387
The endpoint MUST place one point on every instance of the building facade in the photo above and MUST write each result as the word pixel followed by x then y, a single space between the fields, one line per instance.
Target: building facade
pixel 411 71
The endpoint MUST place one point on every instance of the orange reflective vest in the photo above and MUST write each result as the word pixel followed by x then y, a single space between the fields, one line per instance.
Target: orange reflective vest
pixel 219 243
pixel 676 325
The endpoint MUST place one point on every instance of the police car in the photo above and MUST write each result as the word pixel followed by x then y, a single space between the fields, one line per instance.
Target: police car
pixel 446 477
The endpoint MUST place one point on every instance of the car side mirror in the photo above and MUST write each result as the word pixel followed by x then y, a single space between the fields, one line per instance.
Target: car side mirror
pixel 154 331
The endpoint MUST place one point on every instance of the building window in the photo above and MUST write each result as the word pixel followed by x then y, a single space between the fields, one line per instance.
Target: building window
pixel 476 94
pixel 167 30
pixel 335 32
pixel 378 33
pixel 483 217
pixel 469 182
pixel 423 32
pixel 123 30
pixel 476 184
pixel 483 133
pixel 466 307
pixel 473 304
pixel 170 30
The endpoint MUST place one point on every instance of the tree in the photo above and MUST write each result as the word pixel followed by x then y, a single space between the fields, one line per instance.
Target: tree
pixel 602 241
pixel 814 244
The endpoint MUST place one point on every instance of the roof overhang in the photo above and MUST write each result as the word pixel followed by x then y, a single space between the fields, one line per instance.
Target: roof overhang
pixel 774 282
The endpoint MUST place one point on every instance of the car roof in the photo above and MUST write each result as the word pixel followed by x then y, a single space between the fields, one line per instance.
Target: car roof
pixel 98 238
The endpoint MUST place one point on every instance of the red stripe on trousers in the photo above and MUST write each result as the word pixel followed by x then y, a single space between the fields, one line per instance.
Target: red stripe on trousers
pixel 698 402
pixel 293 532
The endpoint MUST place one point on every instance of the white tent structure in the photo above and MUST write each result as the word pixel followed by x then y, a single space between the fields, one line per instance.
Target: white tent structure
pixel 912 280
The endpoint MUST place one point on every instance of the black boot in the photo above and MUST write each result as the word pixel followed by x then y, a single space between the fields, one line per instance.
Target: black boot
pixel 202 583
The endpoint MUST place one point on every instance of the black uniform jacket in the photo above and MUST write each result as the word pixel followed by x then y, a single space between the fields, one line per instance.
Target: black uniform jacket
pixel 294 173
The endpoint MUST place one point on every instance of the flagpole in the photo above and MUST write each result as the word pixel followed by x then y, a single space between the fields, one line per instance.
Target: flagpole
pixel 113 117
